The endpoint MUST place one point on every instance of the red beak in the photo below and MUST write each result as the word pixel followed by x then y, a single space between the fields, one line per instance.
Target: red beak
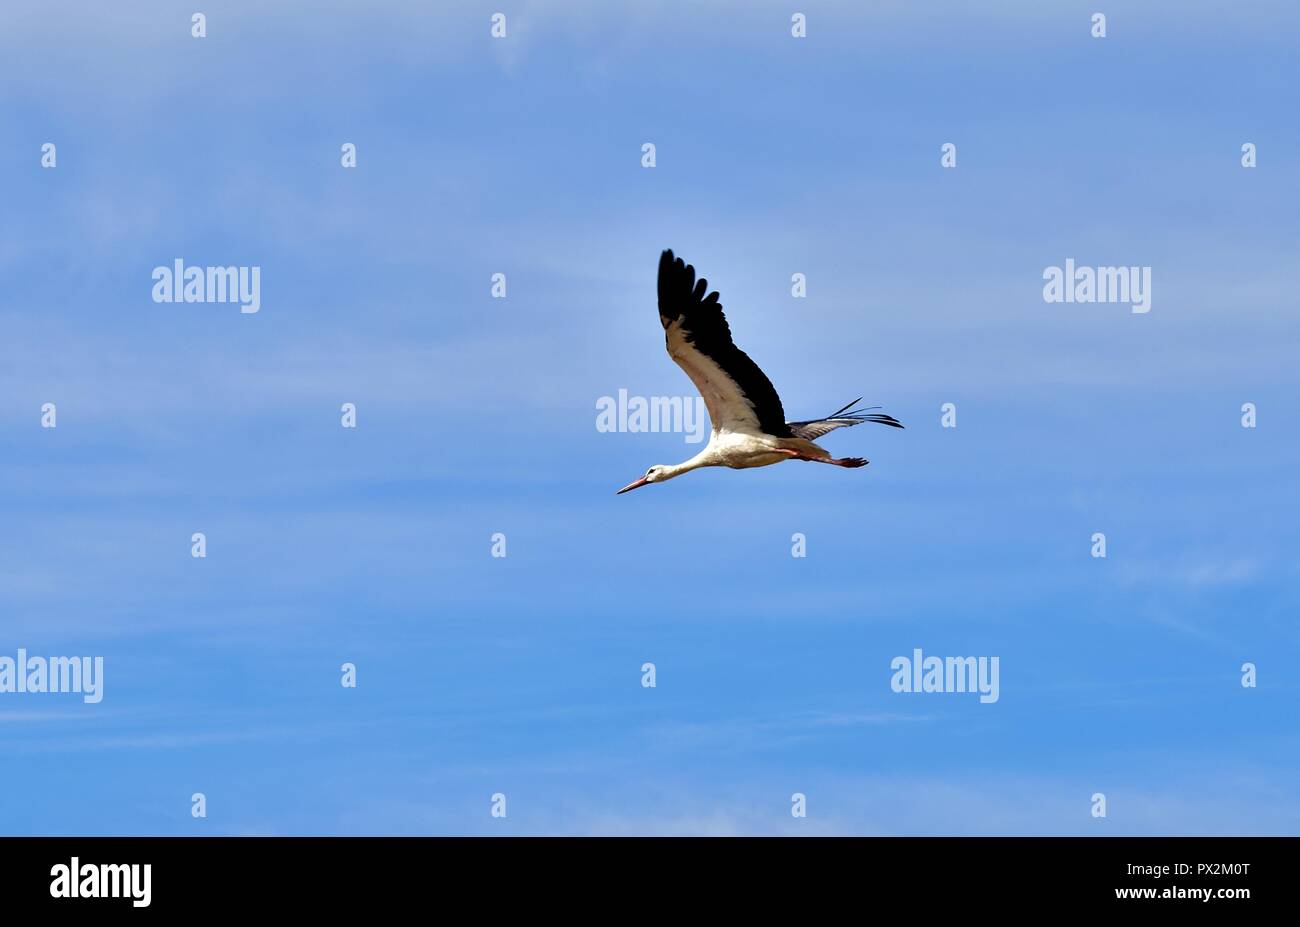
pixel 632 485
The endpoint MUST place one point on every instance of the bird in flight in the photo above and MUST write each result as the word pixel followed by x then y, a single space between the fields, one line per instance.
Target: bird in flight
pixel 749 426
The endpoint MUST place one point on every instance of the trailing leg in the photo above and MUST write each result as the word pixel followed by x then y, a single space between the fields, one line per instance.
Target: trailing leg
pixel 850 462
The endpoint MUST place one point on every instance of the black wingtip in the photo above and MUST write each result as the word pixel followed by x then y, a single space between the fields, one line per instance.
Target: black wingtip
pixel 677 281
pixel 883 419
pixel 845 410
pixel 852 411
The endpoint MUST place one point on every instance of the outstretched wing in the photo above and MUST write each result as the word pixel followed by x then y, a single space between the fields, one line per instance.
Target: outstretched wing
pixel 738 395
pixel 843 418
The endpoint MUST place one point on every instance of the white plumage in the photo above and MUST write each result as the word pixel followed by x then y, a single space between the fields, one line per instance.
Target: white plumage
pixel 749 426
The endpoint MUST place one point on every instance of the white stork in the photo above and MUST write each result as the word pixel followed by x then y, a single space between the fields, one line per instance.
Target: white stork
pixel 749 426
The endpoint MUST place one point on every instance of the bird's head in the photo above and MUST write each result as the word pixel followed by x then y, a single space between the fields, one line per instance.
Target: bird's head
pixel 656 474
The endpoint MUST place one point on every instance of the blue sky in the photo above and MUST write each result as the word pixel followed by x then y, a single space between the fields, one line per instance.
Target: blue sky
pixel 521 675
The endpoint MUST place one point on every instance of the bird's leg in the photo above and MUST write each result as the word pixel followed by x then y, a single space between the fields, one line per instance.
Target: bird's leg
pixel 850 462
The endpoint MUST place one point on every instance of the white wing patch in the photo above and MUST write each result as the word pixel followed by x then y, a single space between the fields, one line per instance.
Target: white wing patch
pixel 729 410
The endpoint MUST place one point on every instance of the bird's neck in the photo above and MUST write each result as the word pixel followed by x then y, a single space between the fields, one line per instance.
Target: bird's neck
pixel 703 459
